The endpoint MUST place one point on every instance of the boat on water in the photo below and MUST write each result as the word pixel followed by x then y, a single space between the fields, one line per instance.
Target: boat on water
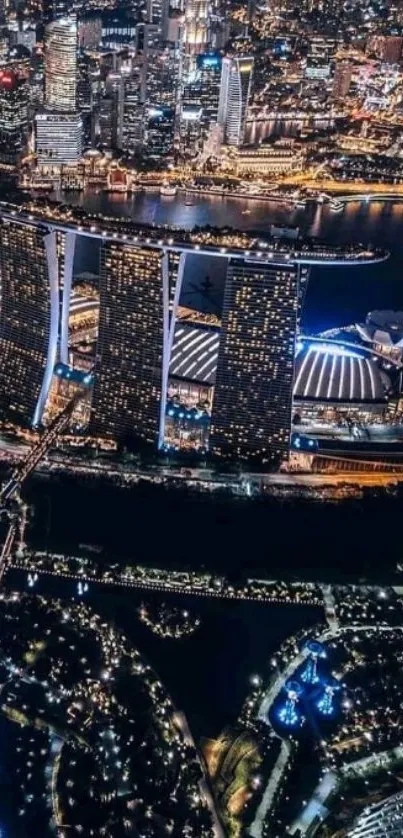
pixel 246 212
pixel 189 203
pixel 336 206
pixel 169 190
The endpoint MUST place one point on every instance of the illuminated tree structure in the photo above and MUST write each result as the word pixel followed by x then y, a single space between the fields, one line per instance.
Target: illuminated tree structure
pixel 289 714
pixel 325 703
pixel 309 674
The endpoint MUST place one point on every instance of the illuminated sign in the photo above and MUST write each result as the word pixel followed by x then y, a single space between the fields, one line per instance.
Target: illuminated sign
pixel 7 80
pixel 209 61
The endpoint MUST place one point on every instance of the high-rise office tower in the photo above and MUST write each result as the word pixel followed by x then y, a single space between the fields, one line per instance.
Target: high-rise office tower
pixel 52 9
pixel 132 122
pixel 59 130
pixel 161 73
pixel 190 127
pixel 235 91
pixel 61 65
pixel 29 318
pixel 129 358
pixel 159 136
pixel 14 95
pixel 196 26
pixel 251 416
pixel 106 111
pixel 209 72
pixel 58 138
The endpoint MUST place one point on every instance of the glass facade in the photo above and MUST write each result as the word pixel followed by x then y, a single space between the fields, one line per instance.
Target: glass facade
pixel 253 391
pixel 236 81
pixel 129 357
pixel 27 319
pixel 61 65
pixel 59 138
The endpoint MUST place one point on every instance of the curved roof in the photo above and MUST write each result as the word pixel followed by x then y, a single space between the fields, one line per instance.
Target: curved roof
pixel 324 370
pixel 194 353
pixel 332 372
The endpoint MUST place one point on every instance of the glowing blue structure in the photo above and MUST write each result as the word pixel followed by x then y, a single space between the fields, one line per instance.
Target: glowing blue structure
pixel 288 714
pixel 309 674
pixel 325 703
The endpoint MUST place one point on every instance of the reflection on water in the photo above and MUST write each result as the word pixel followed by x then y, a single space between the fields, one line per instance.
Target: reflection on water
pixel 359 221
pixel 335 295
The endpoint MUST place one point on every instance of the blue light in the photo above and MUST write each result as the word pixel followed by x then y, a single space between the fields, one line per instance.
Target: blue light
pixel 325 704
pixel 209 61
pixel 288 715
pixel 181 415
pixel 309 674
pixel 333 349
pixel 171 413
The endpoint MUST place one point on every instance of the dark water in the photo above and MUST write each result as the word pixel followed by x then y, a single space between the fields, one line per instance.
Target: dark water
pixel 335 296
pixel 207 673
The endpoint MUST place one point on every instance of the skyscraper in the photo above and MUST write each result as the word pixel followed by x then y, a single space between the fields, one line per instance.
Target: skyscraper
pixel 251 416
pixel 236 82
pixel 29 318
pixel 61 65
pixel 209 69
pixel 59 129
pixel 132 132
pixel 13 116
pixel 129 358
pixel 196 26
pixel 58 138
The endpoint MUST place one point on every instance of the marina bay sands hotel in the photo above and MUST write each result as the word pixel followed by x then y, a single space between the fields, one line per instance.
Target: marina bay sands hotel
pixel 140 280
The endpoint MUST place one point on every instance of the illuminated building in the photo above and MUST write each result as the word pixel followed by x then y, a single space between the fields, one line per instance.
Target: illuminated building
pixel 13 116
pixel 129 358
pixel 209 73
pixel 253 390
pixel 132 132
pixel 161 75
pixel 90 32
pixel 196 28
pixel 52 9
pixel 61 65
pixel 59 138
pixel 267 160
pixel 190 129
pixel 159 132
pixel 29 317
pixel 235 91
pixel 59 129
pixel 387 48
pixel 380 820
pixel 333 381
pixel 317 68
pixel 342 79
